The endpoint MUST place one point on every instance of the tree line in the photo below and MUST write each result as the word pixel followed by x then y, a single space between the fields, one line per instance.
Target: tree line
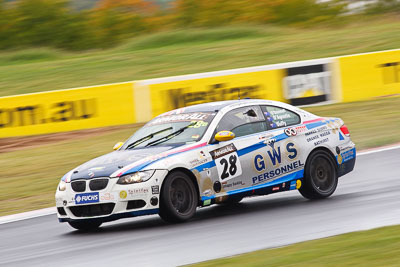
pixel 54 23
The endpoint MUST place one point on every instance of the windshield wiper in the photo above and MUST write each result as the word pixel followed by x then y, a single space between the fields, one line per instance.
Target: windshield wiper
pixel 145 138
pixel 170 136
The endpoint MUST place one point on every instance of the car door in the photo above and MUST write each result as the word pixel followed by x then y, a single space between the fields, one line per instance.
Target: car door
pixel 234 158
pixel 280 160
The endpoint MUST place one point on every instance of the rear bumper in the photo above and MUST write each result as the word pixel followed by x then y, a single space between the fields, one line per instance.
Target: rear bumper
pixel 346 161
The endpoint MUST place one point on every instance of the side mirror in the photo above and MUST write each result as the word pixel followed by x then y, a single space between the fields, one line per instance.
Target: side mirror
pixel 224 136
pixel 118 145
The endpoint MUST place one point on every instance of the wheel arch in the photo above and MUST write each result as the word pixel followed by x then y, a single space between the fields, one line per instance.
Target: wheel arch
pixel 192 178
pixel 332 156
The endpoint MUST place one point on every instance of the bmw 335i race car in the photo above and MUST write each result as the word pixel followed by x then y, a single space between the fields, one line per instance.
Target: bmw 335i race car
pixel 205 154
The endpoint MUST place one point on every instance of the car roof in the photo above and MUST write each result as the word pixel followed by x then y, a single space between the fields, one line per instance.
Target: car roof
pixel 219 105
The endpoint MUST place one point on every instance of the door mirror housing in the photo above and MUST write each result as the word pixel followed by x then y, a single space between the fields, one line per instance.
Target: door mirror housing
pixel 224 136
pixel 118 145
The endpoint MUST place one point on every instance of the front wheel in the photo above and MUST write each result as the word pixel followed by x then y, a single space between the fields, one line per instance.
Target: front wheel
pixel 85 226
pixel 320 176
pixel 178 199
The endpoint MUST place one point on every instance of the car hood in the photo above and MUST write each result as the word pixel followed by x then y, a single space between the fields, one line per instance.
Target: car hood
pixel 105 165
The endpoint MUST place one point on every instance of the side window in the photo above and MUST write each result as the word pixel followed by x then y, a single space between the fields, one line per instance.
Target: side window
pixel 243 121
pixel 277 117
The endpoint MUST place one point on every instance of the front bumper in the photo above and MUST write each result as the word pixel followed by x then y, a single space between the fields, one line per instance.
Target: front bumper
pixel 113 202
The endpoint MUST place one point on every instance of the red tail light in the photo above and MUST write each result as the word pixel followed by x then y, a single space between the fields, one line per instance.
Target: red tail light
pixel 345 130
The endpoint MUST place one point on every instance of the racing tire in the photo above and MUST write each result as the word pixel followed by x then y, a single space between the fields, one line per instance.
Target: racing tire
pixel 320 176
pixel 178 199
pixel 85 226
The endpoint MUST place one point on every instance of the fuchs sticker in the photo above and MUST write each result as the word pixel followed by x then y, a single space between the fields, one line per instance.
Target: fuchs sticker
pixel 227 162
pixel 87 198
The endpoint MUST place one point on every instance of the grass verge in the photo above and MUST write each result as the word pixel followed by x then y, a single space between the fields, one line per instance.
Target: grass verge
pixel 377 247
pixel 174 53
pixel 29 177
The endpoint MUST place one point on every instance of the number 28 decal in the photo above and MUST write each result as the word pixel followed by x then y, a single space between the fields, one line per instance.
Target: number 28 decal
pixel 227 162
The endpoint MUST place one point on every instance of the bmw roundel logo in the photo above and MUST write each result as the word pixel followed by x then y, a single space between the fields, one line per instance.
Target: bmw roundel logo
pixel 91 174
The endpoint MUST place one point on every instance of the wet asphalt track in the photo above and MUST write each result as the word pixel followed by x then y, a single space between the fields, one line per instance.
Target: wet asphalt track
pixel 366 198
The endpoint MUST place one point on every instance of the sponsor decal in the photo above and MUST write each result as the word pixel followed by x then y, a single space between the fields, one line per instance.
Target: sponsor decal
pixel 325 140
pixel 123 194
pixel 301 129
pixel 348 155
pixel 275 188
pixel 277 172
pixel 207 192
pixel 290 131
pixel 275 156
pixel 108 196
pixel 312 138
pixel 155 189
pixel 265 136
pixel 138 191
pixel 196 162
pixel 314 131
pixel 307 84
pixel 220 152
pixel 87 198
pixel 292 185
pixel 197 116
pixel 339 159
pixel 227 162
pixel 207 202
pixel 237 183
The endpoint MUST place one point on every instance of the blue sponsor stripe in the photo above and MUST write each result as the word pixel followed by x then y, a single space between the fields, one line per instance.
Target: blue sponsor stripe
pixel 295 175
pixel 292 176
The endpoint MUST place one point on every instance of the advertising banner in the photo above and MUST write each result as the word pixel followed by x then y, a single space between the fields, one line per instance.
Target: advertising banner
pixel 66 110
pixel 371 75
pixel 177 92
pixel 309 83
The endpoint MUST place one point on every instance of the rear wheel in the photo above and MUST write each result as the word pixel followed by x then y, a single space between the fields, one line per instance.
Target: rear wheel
pixel 178 199
pixel 320 176
pixel 85 226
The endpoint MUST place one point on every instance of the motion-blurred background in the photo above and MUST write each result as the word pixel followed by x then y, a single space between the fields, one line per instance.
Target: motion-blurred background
pixel 47 45
pixel 341 57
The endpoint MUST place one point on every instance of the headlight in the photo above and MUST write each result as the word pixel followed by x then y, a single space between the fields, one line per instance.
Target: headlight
pixel 136 177
pixel 62 186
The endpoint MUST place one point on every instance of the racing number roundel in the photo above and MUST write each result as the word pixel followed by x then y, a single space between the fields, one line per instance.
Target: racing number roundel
pixel 227 162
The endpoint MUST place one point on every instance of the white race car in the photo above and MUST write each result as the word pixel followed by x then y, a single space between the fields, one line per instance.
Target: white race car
pixel 204 154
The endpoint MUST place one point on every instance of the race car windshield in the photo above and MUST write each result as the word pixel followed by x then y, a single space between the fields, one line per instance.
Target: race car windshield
pixel 175 129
